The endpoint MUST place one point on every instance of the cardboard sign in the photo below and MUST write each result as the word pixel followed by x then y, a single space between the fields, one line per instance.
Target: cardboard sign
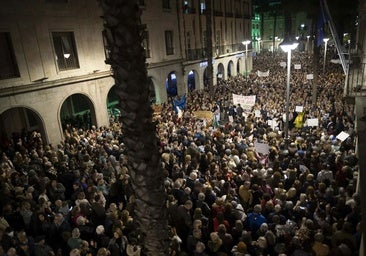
pixel 342 136
pixel 309 76
pixel 299 109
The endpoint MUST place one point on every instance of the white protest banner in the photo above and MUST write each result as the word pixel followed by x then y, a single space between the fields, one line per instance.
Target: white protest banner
pixel 262 148
pixel 272 123
pixel 263 74
pixel 257 113
pixel 299 109
pixel 283 64
pixel 297 66
pixel 243 100
pixel 247 108
pixel 309 76
pixel 312 122
pixel 231 119
pixel 342 136
pixel 180 112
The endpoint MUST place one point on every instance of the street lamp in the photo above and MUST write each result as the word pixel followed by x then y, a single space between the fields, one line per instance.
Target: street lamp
pixel 246 42
pixel 308 46
pixel 325 52
pixel 288 46
pixel 259 43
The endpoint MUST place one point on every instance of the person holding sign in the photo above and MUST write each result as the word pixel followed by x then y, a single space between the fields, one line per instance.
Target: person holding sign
pixel 239 113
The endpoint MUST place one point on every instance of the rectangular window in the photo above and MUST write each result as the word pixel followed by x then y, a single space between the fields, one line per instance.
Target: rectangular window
pixel 228 7
pixel 8 63
pixel 204 36
pixel 107 48
pixel 169 42
pixel 217 5
pixel 146 43
pixel 238 12
pixel 65 50
pixel 189 6
pixel 188 40
pixel 166 4
pixel 203 7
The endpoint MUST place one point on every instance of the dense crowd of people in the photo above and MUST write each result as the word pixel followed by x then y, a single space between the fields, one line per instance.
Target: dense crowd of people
pixel 225 195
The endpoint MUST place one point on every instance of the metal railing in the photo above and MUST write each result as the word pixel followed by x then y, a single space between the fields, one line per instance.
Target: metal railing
pixel 355 84
pixel 196 54
pixel 218 13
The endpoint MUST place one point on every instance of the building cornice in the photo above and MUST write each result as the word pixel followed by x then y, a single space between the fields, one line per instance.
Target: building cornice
pixel 43 84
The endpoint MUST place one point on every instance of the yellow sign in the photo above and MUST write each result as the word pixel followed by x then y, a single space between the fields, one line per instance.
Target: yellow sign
pixel 208 115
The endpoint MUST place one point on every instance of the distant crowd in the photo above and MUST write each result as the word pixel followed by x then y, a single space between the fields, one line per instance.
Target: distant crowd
pixel 226 195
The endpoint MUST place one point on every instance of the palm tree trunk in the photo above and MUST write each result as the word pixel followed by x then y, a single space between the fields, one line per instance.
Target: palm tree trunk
pixel 123 33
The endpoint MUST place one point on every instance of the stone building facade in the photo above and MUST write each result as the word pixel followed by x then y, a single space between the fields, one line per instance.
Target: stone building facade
pixel 52 65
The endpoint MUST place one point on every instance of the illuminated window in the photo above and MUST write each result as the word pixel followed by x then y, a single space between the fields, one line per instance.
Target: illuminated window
pixel 65 50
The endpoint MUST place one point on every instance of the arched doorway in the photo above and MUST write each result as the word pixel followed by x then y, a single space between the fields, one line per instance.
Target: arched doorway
pixel 151 86
pixel 238 66
pixel 205 78
pixel 220 72
pixel 230 68
pixel 19 123
pixel 77 111
pixel 112 103
pixel 192 80
pixel 171 85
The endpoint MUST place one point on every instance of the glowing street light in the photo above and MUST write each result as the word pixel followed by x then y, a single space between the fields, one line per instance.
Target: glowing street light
pixel 325 52
pixel 288 46
pixel 246 42
pixel 259 43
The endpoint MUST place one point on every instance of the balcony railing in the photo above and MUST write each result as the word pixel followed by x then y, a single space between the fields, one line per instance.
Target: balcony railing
pixel 356 83
pixel 229 14
pixel 247 16
pixel 238 15
pixel 194 54
pixel 197 54
pixel 218 13
pixel 189 10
